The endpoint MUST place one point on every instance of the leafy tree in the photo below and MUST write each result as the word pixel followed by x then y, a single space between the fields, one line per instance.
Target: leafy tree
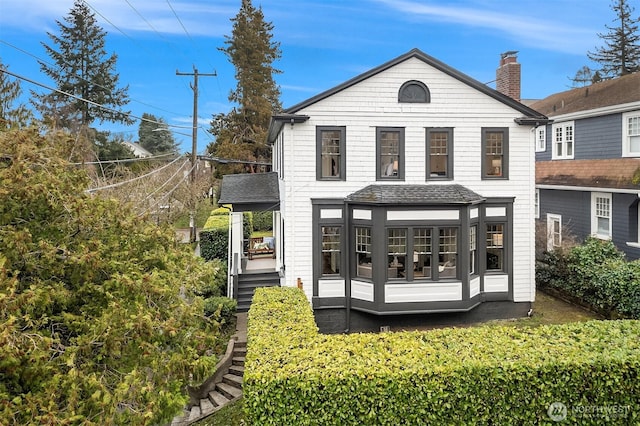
pixel 241 133
pixel 155 136
pixel 99 324
pixel 81 68
pixel 621 53
pixel 11 115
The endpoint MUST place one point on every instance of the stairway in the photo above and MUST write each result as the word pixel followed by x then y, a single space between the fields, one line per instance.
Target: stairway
pixel 247 283
pixel 225 392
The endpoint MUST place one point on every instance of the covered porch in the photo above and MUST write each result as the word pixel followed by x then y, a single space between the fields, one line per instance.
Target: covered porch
pixel 252 264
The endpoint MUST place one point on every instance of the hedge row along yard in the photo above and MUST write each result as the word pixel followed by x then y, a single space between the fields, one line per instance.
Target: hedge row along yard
pixel 484 375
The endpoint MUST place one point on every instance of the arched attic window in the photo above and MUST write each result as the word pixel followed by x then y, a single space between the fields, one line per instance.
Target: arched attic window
pixel 414 92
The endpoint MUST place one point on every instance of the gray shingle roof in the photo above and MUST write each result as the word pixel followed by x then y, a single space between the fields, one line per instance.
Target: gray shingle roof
pixel 250 189
pixel 415 194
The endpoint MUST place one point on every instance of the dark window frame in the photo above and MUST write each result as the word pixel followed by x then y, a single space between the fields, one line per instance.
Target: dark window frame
pixel 401 157
pixel 505 153
pixel 342 148
pixel 414 91
pixel 449 173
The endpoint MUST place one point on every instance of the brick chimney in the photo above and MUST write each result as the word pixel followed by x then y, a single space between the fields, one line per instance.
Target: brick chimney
pixel 508 75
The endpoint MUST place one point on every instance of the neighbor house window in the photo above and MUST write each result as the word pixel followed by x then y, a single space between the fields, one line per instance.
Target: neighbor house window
pixel 390 149
pixel 554 231
pixel 448 253
pixel 563 141
pixel 495 247
pixel 439 153
pixel 631 134
pixel 363 252
pixel 473 249
pixel 331 147
pixel 331 250
pixel 396 253
pixel 541 139
pixel 537 204
pixel 601 215
pixel 495 149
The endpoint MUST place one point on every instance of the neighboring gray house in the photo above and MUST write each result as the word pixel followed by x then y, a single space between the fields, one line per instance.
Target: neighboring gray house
pixel 588 164
pixel 404 193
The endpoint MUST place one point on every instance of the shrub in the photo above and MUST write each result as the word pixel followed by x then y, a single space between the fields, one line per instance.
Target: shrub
pixel 484 375
pixel 220 309
pixel 214 238
pixel 263 221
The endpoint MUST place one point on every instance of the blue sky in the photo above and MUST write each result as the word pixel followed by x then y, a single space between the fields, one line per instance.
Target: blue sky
pixel 323 43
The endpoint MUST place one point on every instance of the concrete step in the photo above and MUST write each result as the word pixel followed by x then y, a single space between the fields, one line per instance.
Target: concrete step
pixel 240 344
pixel 233 380
pixel 206 407
pixel 239 351
pixel 217 398
pixel 228 391
pixel 238 360
pixel 195 413
pixel 238 370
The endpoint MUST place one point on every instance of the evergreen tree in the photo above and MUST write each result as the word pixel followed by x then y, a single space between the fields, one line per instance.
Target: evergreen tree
pixel 82 68
pixel 11 115
pixel 241 133
pixel 155 136
pixel 621 53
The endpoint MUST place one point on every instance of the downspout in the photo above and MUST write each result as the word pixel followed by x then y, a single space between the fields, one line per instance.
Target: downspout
pixel 230 261
pixel 347 227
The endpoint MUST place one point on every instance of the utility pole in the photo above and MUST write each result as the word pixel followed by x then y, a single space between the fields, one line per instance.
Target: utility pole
pixel 194 145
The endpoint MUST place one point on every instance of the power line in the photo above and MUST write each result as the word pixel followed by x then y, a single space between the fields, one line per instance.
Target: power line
pixel 128 114
pixel 179 20
pixel 126 160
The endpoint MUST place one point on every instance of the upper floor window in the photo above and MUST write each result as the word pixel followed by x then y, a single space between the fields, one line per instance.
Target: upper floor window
pixel 601 215
pixel 439 153
pixel 495 149
pixel 390 153
pixel 563 141
pixel 541 139
pixel 631 134
pixel 414 92
pixel 331 147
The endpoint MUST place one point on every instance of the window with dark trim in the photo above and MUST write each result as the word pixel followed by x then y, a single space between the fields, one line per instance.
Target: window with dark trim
pixel 331 149
pixel 439 153
pixel 495 247
pixel 473 249
pixel 495 152
pixel 331 250
pixel 363 252
pixel 414 92
pixel 390 153
pixel 448 253
pixel 396 252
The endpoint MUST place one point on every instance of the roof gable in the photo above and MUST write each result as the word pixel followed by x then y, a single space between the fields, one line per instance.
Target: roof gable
pixel 429 60
pixel 617 91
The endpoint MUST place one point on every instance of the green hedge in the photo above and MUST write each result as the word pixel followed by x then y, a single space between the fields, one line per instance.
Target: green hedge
pixel 596 274
pixel 214 238
pixel 484 375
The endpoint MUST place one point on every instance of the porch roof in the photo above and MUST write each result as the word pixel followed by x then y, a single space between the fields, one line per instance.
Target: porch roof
pixel 415 194
pixel 250 191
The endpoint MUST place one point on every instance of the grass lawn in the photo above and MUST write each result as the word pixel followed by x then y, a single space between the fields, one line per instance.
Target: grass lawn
pixel 546 310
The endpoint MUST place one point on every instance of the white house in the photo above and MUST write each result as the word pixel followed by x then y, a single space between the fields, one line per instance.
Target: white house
pixel 402 194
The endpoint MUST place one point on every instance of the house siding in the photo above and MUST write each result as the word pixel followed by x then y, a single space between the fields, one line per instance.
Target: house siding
pixel 360 112
pixel 598 137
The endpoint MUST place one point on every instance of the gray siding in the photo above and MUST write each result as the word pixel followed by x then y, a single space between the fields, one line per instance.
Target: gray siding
pixel 575 209
pixel 599 137
pixel 573 206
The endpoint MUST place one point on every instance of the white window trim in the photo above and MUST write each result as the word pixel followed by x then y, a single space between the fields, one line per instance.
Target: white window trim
pixel 550 219
pixel 594 218
pixel 536 202
pixel 541 138
pixel 626 148
pixel 563 126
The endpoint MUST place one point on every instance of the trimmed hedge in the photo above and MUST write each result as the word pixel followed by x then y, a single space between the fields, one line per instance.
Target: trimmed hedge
pixel 596 274
pixel 214 238
pixel 484 375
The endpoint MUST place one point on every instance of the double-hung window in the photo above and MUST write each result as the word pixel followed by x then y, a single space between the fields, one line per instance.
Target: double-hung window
pixel 448 253
pixel 554 231
pixel 563 141
pixel 331 158
pixel 439 153
pixel 495 151
pixel 363 252
pixel 541 138
pixel 473 249
pixel 631 134
pixel 397 252
pixel 390 153
pixel 601 215
pixel 495 247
